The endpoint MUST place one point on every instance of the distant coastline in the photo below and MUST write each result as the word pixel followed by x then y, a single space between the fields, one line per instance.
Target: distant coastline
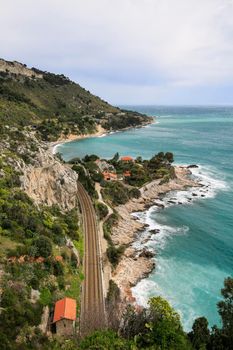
pixel 99 133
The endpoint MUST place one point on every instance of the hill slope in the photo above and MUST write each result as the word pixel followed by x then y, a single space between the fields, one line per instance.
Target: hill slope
pixel 55 105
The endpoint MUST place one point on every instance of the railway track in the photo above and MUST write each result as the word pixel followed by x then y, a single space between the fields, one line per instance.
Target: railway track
pixel 92 303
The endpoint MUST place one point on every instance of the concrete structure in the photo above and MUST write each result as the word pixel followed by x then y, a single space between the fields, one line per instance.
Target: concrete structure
pixel 65 316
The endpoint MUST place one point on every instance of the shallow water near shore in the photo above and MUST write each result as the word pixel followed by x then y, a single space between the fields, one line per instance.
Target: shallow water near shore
pixel 194 247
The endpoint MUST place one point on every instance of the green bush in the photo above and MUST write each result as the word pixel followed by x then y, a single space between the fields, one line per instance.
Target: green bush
pixel 134 193
pixel 102 210
pixel 114 254
pixel 105 340
pixel 116 192
pixel 42 246
pixel 45 297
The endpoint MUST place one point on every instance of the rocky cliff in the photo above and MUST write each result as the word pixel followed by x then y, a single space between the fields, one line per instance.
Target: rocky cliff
pixel 50 182
pixel 18 68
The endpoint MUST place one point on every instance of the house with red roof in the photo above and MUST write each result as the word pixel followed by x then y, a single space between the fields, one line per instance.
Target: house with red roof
pixel 127 173
pixel 127 159
pixel 109 176
pixel 65 316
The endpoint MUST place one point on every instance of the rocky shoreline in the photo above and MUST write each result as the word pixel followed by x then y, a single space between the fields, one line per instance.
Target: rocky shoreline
pixel 134 264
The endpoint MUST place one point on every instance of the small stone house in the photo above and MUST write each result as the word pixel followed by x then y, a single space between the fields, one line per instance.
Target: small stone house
pixel 65 316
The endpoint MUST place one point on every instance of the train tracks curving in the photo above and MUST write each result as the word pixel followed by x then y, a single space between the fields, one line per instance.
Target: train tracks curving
pixel 92 304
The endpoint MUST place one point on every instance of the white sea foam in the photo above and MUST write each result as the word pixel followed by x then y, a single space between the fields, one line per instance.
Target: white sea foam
pixel 211 185
pixel 212 182
pixel 55 149
pixel 140 292
pixel 103 135
pixel 185 303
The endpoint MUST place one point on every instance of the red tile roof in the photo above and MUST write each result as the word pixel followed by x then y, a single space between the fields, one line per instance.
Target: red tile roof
pixel 107 175
pixel 58 258
pixel 127 158
pixel 65 308
pixel 127 173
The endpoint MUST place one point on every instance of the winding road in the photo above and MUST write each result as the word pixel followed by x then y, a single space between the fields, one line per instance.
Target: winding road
pixel 92 304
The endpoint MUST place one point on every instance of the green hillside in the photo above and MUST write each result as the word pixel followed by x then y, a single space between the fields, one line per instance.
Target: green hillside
pixel 54 105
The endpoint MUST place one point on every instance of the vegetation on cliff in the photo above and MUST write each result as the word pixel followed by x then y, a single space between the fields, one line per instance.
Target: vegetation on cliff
pixel 52 105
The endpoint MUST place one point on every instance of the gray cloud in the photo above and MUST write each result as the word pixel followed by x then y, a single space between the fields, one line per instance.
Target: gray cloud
pixel 127 50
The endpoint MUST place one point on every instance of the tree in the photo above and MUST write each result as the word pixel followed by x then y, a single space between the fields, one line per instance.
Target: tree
pixel 114 254
pixel 134 193
pixel 91 158
pixel 163 328
pixel 138 160
pixel 105 340
pixel 116 192
pixel 43 246
pixel 113 306
pixel 115 158
pixel 223 338
pixel 102 210
pixel 225 307
pixel 200 334
pixel 169 157
pixel 133 322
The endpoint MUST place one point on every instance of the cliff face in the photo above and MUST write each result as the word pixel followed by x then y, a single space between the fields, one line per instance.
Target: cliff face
pixel 53 184
pixel 50 182
pixel 18 69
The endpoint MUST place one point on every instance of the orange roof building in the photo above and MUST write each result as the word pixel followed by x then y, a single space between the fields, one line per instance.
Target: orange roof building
pixel 58 258
pixel 108 176
pixel 127 159
pixel 127 173
pixel 65 316
pixel 65 308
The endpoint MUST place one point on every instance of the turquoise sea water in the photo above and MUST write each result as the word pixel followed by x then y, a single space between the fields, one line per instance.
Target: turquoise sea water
pixel 194 248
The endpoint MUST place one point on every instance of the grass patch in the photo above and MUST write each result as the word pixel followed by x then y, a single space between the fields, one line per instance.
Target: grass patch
pixel 79 245
pixel 6 244
pixel 74 282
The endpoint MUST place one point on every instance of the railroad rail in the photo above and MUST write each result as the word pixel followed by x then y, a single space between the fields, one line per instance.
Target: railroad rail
pixel 92 315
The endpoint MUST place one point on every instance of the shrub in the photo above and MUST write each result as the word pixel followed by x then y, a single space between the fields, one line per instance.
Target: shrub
pixel 116 192
pixel 102 210
pixel 45 297
pixel 43 246
pixel 114 254
pixel 134 193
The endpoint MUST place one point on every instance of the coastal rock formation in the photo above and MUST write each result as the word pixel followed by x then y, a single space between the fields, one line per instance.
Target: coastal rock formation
pixel 49 181
pixel 124 233
pixel 52 184
pixel 133 266
pixel 18 69
pixel 130 271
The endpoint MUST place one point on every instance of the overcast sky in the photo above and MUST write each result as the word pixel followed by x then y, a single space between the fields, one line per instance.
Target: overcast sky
pixel 127 51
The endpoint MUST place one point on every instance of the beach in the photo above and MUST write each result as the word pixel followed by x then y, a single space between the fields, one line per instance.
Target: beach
pixel 73 137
